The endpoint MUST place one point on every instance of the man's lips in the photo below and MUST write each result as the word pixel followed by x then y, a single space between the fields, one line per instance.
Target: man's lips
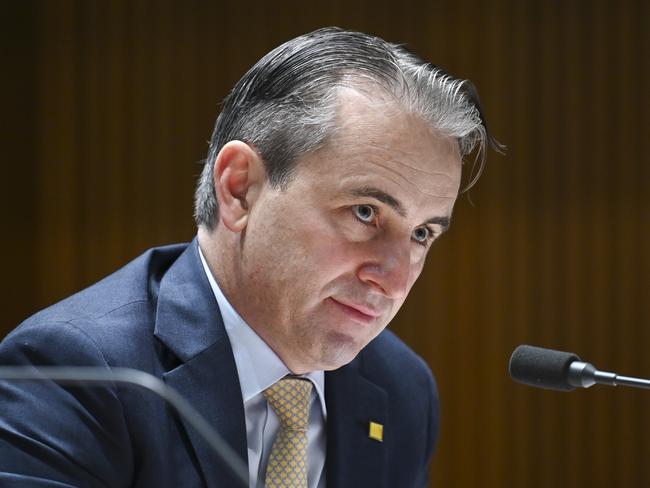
pixel 361 313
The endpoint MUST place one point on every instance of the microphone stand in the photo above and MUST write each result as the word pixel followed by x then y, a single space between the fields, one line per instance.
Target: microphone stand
pixel 134 378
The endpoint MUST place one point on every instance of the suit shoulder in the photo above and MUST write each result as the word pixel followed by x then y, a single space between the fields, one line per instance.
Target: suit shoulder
pixel 135 281
pixel 390 363
pixel 111 310
pixel 388 354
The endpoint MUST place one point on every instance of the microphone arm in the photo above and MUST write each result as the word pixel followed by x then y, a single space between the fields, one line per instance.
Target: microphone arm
pixel 584 375
pixel 134 378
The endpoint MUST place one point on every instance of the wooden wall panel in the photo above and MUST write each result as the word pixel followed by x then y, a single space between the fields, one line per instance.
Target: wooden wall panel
pixel 18 50
pixel 111 104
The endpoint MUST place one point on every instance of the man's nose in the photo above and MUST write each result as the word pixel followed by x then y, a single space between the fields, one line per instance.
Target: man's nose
pixel 387 268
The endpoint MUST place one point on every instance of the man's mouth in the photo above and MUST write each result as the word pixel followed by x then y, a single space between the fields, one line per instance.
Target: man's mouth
pixel 357 311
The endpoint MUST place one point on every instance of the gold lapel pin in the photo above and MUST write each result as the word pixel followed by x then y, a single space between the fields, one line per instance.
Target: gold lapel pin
pixel 376 431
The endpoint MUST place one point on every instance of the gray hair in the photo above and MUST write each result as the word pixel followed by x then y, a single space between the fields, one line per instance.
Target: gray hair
pixel 285 105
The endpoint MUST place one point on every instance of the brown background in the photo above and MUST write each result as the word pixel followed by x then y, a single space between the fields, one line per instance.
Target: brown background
pixel 108 106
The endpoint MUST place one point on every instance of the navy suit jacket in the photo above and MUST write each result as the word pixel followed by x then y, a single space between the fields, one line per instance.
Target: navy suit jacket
pixel 158 314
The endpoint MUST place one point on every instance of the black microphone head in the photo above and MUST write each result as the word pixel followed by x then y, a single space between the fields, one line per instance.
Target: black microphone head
pixel 543 368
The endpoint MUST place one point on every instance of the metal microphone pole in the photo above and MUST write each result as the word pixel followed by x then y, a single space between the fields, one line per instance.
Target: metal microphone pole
pixel 133 378
pixel 584 375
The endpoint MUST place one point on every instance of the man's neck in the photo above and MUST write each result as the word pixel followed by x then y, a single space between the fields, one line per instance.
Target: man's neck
pixel 219 255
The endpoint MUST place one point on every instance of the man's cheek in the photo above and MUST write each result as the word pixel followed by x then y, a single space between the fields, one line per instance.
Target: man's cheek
pixel 335 257
pixel 325 248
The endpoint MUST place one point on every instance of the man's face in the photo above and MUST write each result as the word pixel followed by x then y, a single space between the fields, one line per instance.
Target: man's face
pixel 327 262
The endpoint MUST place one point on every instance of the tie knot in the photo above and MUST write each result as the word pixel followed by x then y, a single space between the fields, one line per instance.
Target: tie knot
pixel 290 399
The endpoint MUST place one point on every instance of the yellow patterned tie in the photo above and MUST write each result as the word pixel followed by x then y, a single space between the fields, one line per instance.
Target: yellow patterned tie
pixel 287 466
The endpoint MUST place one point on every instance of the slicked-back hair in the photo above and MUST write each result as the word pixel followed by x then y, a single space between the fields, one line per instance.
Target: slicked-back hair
pixel 285 105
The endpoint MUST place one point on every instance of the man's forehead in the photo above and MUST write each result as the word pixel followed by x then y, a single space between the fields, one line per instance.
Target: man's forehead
pixel 364 106
pixel 382 123
pixel 430 169
pixel 378 151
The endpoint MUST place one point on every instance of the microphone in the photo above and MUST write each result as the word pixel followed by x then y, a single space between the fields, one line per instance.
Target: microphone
pixel 80 375
pixel 564 371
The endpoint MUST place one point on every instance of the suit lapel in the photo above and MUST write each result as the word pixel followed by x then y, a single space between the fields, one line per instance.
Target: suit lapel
pixel 211 385
pixel 353 458
pixel 188 322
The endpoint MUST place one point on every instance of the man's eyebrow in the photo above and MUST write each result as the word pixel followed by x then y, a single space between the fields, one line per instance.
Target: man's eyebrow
pixel 391 201
pixel 380 195
pixel 441 221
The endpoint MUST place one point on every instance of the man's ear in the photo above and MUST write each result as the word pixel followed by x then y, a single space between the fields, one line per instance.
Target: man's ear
pixel 238 177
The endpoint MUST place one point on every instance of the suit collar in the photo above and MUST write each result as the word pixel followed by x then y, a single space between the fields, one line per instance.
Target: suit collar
pixel 353 458
pixel 189 324
pixel 187 316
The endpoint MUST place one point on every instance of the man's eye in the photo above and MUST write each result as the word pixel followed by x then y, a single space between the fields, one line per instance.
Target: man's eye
pixel 421 235
pixel 365 213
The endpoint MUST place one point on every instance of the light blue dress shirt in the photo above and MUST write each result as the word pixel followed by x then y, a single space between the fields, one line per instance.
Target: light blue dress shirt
pixel 258 368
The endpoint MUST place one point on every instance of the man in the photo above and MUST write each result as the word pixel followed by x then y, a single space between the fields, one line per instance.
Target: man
pixel 334 165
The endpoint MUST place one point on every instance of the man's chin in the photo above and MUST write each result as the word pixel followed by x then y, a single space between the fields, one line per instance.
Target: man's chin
pixel 338 351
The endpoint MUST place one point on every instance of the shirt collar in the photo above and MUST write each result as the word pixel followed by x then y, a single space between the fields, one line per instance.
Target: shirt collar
pixel 257 364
